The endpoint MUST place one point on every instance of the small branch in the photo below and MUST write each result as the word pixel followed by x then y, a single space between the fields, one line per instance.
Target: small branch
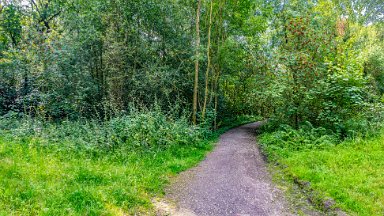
pixel 35 5
pixel 55 15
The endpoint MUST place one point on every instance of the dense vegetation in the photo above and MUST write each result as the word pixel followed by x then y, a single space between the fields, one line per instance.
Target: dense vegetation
pixel 99 95
pixel 90 168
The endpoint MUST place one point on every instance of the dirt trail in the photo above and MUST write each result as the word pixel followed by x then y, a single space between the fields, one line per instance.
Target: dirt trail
pixel 232 180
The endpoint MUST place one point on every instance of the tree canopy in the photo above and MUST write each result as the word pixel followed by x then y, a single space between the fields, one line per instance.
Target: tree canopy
pixel 318 61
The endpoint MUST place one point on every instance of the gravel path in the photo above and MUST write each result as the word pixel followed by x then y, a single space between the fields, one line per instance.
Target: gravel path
pixel 232 180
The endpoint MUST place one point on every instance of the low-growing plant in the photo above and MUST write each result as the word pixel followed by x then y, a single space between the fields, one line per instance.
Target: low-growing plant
pixel 289 139
pixel 145 130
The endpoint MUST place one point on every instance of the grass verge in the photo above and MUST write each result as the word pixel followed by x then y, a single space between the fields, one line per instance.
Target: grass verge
pixel 350 173
pixel 42 182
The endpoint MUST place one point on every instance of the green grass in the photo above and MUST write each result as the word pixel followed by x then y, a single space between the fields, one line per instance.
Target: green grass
pixel 43 175
pixel 352 173
pixel 39 181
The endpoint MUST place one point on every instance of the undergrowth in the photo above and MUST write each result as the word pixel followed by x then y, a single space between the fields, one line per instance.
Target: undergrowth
pixel 112 167
pixel 150 131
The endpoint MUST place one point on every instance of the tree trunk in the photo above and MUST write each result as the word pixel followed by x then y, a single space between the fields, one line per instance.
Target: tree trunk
pixel 196 84
pixel 220 38
pixel 209 62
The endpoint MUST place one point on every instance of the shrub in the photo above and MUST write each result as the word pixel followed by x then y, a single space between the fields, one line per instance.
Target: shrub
pixel 306 137
pixel 145 130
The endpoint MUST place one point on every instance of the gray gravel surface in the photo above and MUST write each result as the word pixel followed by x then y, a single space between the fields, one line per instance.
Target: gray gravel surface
pixel 232 180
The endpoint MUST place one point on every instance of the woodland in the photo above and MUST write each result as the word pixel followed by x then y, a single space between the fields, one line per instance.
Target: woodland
pixel 101 101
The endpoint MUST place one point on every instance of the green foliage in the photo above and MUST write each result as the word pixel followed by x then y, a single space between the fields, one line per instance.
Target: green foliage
pixel 267 58
pixel 375 68
pixel 149 131
pixel 289 139
pixel 93 167
pixel 71 70
pixel 65 65
pixel 11 25
pixel 324 72
pixel 112 167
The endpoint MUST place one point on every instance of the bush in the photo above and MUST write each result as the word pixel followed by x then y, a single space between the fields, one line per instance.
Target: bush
pixel 145 130
pixel 287 139
pixel 306 137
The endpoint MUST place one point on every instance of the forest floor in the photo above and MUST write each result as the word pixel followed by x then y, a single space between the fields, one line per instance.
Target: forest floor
pixel 234 179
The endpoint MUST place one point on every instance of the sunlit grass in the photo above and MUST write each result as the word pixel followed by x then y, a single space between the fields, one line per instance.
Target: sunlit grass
pixel 43 175
pixel 37 181
pixel 351 173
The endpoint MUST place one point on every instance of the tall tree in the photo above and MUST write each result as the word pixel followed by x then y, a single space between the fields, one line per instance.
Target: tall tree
pixel 197 56
pixel 209 61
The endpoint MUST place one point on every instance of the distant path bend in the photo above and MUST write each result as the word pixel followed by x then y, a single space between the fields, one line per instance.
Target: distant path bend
pixel 232 180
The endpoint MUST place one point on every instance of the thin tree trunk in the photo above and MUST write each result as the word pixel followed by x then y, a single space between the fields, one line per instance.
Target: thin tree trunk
pixel 220 38
pixel 216 97
pixel 209 62
pixel 196 84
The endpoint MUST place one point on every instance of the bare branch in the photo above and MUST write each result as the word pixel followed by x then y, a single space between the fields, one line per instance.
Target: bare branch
pixel 34 4
pixel 54 15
